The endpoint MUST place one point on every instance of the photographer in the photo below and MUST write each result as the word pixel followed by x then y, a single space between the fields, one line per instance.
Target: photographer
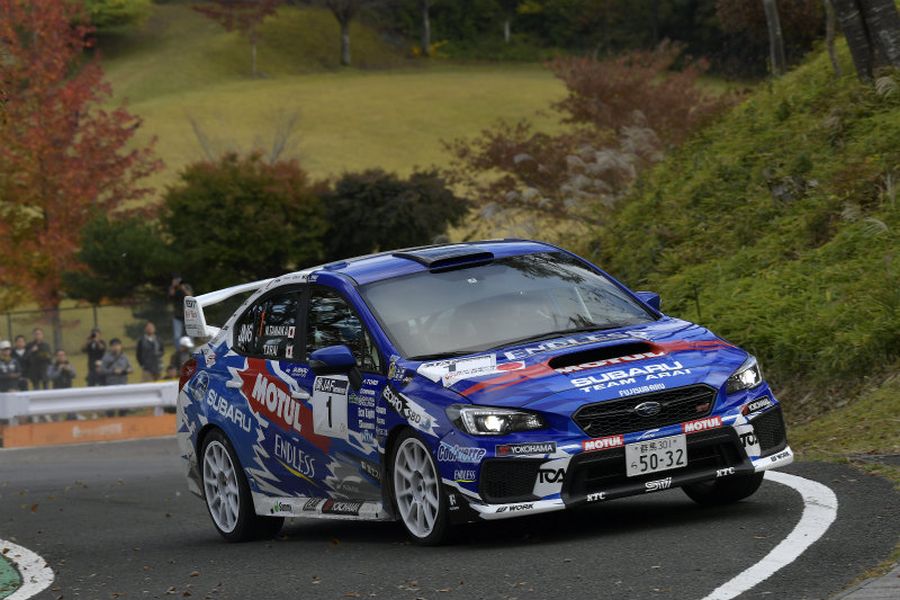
pixel 114 366
pixel 95 348
pixel 61 373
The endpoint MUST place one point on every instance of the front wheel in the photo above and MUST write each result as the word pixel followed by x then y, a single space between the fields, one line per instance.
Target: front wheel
pixel 227 494
pixel 724 491
pixel 417 491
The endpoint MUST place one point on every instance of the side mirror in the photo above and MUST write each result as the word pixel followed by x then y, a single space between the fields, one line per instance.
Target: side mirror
pixel 649 298
pixel 336 360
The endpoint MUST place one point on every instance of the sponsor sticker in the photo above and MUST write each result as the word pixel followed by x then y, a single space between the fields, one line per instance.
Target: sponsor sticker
pixel 596 496
pixel 604 443
pixel 461 454
pixel 658 484
pixel 630 377
pixel 759 404
pixel 525 448
pixel 701 424
pixel 596 364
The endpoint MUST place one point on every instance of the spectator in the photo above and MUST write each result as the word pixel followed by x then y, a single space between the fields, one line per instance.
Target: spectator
pixel 114 366
pixel 38 357
pixel 180 356
pixel 95 348
pixel 61 373
pixel 19 354
pixel 10 369
pixel 149 353
pixel 177 292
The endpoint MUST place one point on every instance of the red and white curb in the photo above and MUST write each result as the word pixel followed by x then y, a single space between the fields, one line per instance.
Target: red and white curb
pixel 819 512
pixel 35 572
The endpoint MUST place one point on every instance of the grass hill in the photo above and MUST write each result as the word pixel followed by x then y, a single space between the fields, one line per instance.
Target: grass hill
pixel 386 111
pixel 779 228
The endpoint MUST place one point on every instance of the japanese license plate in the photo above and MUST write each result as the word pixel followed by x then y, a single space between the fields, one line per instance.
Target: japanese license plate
pixel 651 456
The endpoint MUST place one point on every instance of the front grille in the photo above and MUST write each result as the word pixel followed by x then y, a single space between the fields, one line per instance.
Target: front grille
pixel 769 430
pixel 508 480
pixel 605 470
pixel 618 416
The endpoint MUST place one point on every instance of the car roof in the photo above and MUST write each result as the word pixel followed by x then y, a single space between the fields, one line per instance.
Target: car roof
pixel 395 263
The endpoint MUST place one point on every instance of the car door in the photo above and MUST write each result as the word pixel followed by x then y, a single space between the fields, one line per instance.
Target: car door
pixel 341 413
pixel 285 457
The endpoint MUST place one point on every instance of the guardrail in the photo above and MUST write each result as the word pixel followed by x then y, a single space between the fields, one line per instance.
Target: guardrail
pixel 17 408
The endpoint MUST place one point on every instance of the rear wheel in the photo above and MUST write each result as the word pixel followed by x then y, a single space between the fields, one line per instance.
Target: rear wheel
pixel 725 490
pixel 227 494
pixel 418 493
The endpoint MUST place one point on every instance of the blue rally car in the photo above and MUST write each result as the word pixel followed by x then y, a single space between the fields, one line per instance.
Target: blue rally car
pixel 454 383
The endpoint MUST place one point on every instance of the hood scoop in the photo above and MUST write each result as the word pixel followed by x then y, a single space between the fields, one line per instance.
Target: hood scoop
pixel 605 355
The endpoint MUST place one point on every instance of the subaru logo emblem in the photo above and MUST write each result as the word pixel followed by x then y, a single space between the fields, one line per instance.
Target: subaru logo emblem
pixel 648 409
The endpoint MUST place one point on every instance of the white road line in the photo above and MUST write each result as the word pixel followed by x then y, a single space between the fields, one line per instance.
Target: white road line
pixel 819 512
pixel 36 573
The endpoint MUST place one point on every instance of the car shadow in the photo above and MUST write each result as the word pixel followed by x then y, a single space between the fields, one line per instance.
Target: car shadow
pixel 625 517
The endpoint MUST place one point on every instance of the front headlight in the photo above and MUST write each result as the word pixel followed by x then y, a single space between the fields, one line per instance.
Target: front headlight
pixel 748 376
pixel 477 420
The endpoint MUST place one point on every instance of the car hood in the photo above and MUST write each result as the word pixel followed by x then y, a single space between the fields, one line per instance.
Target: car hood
pixel 562 374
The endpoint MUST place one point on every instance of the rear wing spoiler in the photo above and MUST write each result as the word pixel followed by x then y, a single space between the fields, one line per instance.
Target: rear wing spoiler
pixel 195 320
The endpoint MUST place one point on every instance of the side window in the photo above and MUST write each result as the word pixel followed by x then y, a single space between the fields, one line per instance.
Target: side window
pixel 331 321
pixel 268 327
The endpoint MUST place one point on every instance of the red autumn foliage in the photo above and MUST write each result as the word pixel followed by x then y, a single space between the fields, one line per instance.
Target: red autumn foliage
pixel 238 15
pixel 243 16
pixel 640 87
pixel 64 157
pixel 623 112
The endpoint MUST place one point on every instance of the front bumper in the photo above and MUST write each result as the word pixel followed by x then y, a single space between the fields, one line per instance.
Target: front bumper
pixel 741 447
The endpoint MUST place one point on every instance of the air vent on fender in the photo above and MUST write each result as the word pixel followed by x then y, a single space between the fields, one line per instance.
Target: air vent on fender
pixel 627 351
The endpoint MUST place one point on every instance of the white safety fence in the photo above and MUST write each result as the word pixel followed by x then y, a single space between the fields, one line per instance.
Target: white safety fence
pixel 17 406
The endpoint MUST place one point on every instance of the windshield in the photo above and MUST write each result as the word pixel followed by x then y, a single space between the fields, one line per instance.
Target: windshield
pixel 514 299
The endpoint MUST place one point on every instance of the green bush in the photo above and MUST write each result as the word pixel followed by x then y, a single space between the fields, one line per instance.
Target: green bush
pixel 240 219
pixel 782 223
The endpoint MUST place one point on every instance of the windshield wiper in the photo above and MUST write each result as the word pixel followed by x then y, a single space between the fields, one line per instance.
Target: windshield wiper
pixel 555 334
pixel 437 355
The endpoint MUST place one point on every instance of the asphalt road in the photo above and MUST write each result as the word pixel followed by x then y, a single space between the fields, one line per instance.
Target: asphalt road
pixel 115 521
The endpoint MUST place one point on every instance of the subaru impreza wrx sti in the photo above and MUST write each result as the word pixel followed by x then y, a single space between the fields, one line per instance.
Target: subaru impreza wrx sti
pixel 456 383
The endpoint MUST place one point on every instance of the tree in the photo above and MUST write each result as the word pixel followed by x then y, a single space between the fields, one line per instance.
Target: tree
pixel 345 11
pixel 425 7
pixel 243 16
pixel 786 29
pixel 241 218
pixel 872 29
pixel 829 36
pixel 121 257
pixel 64 155
pixel 374 210
pixel 109 14
pixel 776 41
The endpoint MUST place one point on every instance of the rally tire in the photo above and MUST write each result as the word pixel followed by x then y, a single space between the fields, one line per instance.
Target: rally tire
pixel 417 492
pixel 724 491
pixel 227 493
